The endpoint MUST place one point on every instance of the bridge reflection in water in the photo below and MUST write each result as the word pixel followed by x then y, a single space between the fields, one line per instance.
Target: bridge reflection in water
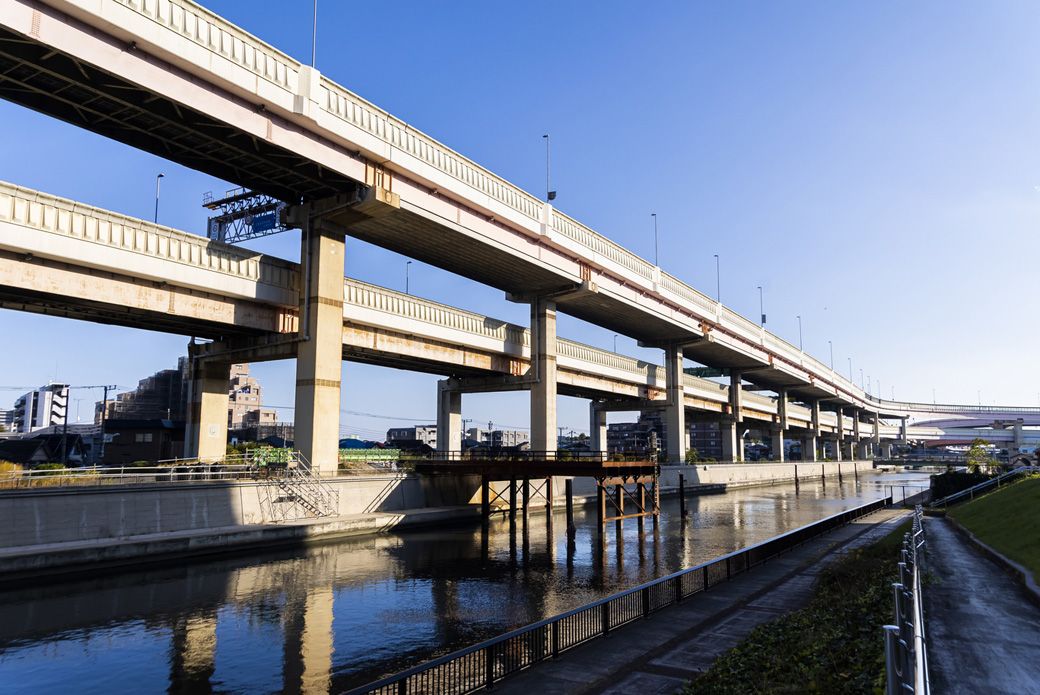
pixel 338 615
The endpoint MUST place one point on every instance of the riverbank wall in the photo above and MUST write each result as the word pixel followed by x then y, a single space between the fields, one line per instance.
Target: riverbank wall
pixel 51 529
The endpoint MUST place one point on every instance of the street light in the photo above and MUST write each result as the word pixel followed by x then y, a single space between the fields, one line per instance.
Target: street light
pixel 718 282
pixel 862 384
pixel 314 35
pixel 653 216
pixel 799 333
pixel 832 354
pixel 850 371
pixel 407 266
pixel 761 310
pixel 550 195
pixel 615 343
pixel 158 178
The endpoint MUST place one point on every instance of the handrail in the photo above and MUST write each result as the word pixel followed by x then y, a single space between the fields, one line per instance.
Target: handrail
pixel 67 218
pixel 984 485
pixel 482 665
pixel 906 658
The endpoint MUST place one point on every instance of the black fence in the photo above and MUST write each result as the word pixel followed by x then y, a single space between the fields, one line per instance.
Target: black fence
pixel 482 665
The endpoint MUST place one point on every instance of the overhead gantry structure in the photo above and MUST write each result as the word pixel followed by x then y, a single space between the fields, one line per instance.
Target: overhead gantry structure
pixel 171 78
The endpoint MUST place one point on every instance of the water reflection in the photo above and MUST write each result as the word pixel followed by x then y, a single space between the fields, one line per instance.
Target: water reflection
pixel 337 615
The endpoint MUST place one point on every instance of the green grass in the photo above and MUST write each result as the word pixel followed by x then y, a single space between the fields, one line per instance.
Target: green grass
pixel 1007 520
pixel 833 645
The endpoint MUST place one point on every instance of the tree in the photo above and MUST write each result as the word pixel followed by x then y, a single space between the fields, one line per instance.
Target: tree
pixel 978 456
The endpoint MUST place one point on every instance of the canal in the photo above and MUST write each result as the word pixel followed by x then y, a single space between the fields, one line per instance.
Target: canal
pixel 326 618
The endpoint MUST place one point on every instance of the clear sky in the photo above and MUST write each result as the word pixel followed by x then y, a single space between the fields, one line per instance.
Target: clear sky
pixel 873 166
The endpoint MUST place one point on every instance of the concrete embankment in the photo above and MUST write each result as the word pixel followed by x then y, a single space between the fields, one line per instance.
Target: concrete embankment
pixel 48 530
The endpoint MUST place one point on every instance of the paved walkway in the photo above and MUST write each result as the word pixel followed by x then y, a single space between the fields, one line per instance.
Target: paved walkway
pixel 983 631
pixel 662 653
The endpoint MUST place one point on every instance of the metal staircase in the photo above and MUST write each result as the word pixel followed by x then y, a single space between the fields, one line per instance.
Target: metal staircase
pixel 289 490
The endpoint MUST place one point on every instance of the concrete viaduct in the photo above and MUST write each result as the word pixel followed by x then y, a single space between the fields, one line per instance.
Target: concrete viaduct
pixel 68 259
pixel 171 78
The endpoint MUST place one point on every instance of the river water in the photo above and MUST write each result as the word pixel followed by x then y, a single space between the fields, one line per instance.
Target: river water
pixel 329 617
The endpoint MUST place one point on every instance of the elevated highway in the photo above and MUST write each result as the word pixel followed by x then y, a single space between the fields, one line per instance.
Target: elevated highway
pixel 172 78
pixel 65 258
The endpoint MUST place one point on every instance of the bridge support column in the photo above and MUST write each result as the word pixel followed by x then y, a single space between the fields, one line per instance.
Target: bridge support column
pixel 732 442
pixel 543 368
pixel 675 420
pixel 206 435
pixel 597 427
pixel 848 450
pixel 319 358
pixel 449 418
pixel 865 449
pixel 809 448
pixel 903 438
pixel 776 444
pixel 837 448
pixel 776 447
pixel 886 450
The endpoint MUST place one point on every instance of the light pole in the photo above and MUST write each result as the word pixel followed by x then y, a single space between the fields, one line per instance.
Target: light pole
pixel 718 281
pixel 850 372
pixel 831 345
pixel 653 216
pixel 407 266
pixel 862 384
pixel 761 309
pixel 158 178
pixel 314 35
pixel 799 333
pixel 933 396
pixel 550 195
pixel 615 343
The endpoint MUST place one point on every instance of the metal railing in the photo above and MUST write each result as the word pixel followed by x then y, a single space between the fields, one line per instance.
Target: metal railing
pixel 996 482
pixel 183 471
pixel 254 464
pixel 482 665
pixel 906 660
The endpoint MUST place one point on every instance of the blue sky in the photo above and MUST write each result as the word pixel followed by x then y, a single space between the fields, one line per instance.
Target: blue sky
pixel 874 166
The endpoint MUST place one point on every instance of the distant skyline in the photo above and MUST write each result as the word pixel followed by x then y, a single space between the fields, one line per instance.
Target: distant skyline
pixel 874 168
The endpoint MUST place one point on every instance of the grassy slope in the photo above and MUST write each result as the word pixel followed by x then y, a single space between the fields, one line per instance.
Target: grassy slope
pixel 1008 520
pixel 833 645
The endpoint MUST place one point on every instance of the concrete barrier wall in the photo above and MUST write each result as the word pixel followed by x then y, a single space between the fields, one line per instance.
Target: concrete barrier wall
pixel 47 516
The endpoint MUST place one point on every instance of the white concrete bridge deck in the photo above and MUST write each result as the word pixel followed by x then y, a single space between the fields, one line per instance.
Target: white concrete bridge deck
pixel 134 70
pixel 66 258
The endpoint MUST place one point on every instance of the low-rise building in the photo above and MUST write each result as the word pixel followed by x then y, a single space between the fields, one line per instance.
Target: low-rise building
pixel 497 438
pixel 422 434
pixel 130 441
